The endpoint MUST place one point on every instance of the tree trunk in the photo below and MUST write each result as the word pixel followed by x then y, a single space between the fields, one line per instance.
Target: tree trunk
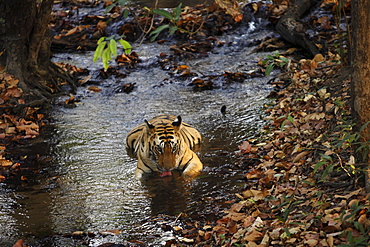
pixel 25 38
pixel 360 63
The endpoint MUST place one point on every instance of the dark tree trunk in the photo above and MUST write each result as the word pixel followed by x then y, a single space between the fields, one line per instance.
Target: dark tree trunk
pixel 25 40
pixel 360 63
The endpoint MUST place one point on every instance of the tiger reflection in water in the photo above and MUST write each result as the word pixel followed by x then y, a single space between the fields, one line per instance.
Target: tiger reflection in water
pixel 165 144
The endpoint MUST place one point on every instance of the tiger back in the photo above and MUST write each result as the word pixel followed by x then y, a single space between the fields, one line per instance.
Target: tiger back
pixel 164 144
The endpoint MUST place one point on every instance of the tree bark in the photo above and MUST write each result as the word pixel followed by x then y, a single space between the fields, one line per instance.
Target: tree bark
pixel 293 30
pixel 25 40
pixel 360 63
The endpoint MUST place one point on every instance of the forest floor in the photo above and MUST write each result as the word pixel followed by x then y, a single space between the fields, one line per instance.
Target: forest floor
pixel 304 178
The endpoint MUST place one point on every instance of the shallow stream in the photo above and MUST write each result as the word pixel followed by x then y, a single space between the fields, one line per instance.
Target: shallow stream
pixel 89 184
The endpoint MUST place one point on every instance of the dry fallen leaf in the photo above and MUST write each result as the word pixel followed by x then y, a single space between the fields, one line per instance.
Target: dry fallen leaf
pixel 245 147
pixel 95 89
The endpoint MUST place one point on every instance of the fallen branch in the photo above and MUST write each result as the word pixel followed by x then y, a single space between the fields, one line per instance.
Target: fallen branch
pixel 293 30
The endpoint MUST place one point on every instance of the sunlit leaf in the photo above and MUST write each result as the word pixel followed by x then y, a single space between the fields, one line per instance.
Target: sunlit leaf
pixel 126 46
pixel 100 40
pixel 113 47
pixel 99 51
pixel 106 57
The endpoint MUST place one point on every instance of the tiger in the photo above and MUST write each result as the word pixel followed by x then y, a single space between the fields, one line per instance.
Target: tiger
pixel 165 144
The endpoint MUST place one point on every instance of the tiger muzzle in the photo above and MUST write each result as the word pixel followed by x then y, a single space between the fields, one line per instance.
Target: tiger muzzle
pixel 166 161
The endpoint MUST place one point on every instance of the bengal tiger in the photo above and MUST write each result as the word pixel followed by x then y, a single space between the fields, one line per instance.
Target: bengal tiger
pixel 164 144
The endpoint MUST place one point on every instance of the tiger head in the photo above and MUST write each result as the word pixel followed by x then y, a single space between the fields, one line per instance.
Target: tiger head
pixel 165 144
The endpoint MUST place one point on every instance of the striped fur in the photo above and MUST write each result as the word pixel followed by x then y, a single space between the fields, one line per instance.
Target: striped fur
pixel 163 144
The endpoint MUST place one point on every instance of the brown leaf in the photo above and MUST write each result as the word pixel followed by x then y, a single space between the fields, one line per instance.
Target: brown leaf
pixel 254 174
pixel 232 8
pixel 256 195
pixel 101 25
pixel 236 207
pixel 253 236
pixel 95 89
pixel 5 163
pixel 300 156
pixel 74 30
pixel 232 226
pixel 245 147
pixel 248 221
pixel 71 100
pixel 19 243
pixel 13 91
pixel 111 232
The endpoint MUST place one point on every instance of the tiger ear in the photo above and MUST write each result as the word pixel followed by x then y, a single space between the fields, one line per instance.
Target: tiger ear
pixel 150 126
pixel 177 123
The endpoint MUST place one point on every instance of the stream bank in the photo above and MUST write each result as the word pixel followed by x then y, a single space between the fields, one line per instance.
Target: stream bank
pixel 83 191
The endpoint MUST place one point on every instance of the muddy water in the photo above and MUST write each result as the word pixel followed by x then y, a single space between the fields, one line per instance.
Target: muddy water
pixel 89 184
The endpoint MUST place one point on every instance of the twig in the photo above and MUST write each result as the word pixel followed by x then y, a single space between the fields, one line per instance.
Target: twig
pixel 341 165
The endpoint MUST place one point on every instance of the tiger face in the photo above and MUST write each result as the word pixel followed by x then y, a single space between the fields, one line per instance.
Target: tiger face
pixel 164 144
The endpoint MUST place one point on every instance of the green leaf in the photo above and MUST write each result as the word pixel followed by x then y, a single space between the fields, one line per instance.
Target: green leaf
pixel 284 59
pixel 126 46
pixel 290 118
pixel 282 125
pixel 329 169
pixel 113 47
pixel 172 30
pixel 110 7
pixel 125 13
pixel 122 2
pixel 163 13
pixel 269 68
pixel 280 218
pixel 364 126
pixel 106 57
pixel 99 50
pixel 156 32
pixel 101 40
pixel 326 157
pixel 318 165
pixel 177 12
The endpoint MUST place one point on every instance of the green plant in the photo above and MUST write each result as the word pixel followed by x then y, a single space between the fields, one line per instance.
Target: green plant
pixel 173 18
pixel 344 139
pixel 350 218
pixel 353 139
pixel 326 162
pixel 108 47
pixel 274 60
pixel 287 118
